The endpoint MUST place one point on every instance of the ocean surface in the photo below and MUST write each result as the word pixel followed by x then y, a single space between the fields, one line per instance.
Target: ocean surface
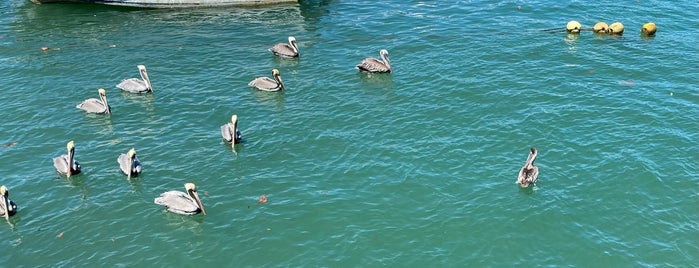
pixel 411 169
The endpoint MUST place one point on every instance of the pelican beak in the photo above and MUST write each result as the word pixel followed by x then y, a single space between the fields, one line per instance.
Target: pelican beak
pixel 196 198
pixel 103 96
pixel 71 153
pixel 131 159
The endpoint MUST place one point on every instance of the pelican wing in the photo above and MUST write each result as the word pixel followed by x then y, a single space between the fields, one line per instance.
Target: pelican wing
pixel 61 165
pixel 373 65
pixel 178 202
pixel 124 164
pixel 265 84
pixel 284 50
pixel 226 132
pixel 92 105
pixel 134 85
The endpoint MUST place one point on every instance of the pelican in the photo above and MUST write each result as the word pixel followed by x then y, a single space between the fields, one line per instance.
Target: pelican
pixel 182 203
pixel 135 85
pixel 268 84
pixel 649 29
pixel 129 164
pixel 373 65
pixel 230 131
pixel 93 105
pixel 573 27
pixel 616 28
pixel 529 172
pixel 600 27
pixel 7 207
pixel 290 50
pixel 66 164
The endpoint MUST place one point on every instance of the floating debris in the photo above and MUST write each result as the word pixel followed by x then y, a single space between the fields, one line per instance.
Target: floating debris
pixel 9 144
pixel 60 235
pixel 627 83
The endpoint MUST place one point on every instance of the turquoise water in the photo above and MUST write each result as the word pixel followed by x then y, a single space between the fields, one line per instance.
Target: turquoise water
pixel 413 169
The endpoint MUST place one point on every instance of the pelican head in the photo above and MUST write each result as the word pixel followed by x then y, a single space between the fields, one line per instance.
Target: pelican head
pixel 573 26
pixel 103 97
pixel 5 202
pixel 292 42
pixel 192 192
pixel 275 74
pixel 386 60
pixel 144 76
pixel 648 29
pixel 600 27
pixel 234 123
pixel 532 154
pixel 616 28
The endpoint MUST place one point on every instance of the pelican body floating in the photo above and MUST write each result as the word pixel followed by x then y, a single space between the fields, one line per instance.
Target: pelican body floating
pixel 649 29
pixel 172 3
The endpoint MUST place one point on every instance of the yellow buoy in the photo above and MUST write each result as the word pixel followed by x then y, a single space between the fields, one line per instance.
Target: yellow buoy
pixel 648 28
pixel 600 27
pixel 573 26
pixel 616 28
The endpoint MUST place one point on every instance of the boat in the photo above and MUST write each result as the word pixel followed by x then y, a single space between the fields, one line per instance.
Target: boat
pixel 172 3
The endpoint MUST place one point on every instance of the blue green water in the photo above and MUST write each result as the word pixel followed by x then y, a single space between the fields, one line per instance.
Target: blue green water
pixel 412 169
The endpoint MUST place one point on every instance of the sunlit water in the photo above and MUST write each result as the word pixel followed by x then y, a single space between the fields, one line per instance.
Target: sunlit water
pixel 413 169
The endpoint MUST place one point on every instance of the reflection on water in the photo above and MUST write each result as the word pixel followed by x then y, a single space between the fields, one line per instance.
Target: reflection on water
pixel 382 80
pixel 273 99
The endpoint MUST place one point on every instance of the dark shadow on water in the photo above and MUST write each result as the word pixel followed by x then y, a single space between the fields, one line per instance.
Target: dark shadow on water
pixel 647 37
pixel 192 223
pixel 528 190
pixel 234 150
pixel 145 98
pixel 381 80
pixel 286 62
pixel 77 181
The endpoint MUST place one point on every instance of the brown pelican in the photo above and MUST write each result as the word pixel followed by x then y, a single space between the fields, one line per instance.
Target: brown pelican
pixel 600 27
pixel 573 27
pixel 99 106
pixel 616 28
pixel 290 50
pixel 373 65
pixel 135 85
pixel 529 172
pixel 66 164
pixel 129 164
pixel 182 203
pixel 7 207
pixel 230 131
pixel 648 29
pixel 268 84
